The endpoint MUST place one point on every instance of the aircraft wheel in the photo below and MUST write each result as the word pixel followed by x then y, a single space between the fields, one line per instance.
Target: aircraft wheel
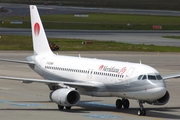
pixel 119 103
pixel 141 112
pixel 60 107
pixel 144 112
pixel 125 103
pixel 68 107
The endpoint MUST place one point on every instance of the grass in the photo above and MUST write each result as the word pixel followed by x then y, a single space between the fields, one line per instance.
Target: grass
pixel 99 21
pixel 10 42
pixel 114 18
pixel 174 37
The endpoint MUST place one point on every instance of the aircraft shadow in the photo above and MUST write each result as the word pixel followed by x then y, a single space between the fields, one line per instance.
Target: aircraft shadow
pixel 97 105
pixel 163 112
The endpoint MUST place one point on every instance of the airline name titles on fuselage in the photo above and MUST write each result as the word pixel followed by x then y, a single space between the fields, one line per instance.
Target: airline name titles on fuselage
pixel 112 69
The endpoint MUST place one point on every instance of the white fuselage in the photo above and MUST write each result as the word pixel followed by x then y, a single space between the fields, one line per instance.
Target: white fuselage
pixel 111 78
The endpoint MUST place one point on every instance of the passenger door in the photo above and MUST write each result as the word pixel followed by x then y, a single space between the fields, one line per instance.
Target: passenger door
pixel 127 78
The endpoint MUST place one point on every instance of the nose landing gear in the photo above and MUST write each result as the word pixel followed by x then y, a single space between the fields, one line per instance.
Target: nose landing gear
pixel 141 111
pixel 125 103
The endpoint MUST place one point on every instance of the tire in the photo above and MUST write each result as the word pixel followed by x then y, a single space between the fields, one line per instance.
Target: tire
pixel 141 112
pixel 119 103
pixel 125 103
pixel 60 107
pixel 68 107
pixel 144 112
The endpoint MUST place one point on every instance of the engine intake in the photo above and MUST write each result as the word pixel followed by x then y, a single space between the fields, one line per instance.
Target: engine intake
pixel 161 101
pixel 65 97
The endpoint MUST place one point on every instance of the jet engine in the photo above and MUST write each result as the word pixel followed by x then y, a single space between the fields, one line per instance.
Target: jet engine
pixel 161 101
pixel 65 97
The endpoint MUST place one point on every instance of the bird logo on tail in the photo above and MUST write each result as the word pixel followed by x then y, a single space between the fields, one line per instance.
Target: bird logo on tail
pixel 36 29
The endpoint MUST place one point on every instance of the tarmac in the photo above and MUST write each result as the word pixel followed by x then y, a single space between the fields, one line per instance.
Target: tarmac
pixel 19 101
pixel 23 9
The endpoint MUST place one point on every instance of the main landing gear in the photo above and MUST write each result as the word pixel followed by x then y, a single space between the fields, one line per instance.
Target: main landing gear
pixel 124 102
pixel 60 107
pixel 141 111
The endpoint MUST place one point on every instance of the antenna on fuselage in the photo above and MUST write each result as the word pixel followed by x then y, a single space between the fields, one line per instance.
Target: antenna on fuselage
pixel 140 62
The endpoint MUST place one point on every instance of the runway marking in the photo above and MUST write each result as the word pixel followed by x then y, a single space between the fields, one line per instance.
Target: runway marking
pixel 96 104
pixel 4 101
pixel 27 104
pixel 103 116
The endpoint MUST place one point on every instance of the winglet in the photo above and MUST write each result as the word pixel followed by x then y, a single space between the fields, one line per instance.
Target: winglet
pixel 40 42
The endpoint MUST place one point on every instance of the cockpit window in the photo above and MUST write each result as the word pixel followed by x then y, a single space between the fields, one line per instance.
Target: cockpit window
pixel 151 77
pixel 159 77
pixel 144 77
pixel 139 78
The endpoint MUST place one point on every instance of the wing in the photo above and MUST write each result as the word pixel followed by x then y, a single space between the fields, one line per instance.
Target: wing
pixel 81 85
pixel 17 61
pixel 171 76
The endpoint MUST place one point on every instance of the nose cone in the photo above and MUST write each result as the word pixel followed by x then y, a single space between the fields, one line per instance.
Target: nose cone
pixel 158 92
pixel 158 89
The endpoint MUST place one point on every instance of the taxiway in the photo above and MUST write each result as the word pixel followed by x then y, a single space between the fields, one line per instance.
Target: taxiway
pixel 31 101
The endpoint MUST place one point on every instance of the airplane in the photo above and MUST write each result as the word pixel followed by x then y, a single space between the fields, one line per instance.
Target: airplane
pixel 69 77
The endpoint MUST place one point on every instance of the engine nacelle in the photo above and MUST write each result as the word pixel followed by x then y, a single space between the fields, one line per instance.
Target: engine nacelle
pixel 65 97
pixel 161 101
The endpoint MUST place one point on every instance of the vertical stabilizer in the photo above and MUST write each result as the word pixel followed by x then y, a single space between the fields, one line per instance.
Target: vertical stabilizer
pixel 40 42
